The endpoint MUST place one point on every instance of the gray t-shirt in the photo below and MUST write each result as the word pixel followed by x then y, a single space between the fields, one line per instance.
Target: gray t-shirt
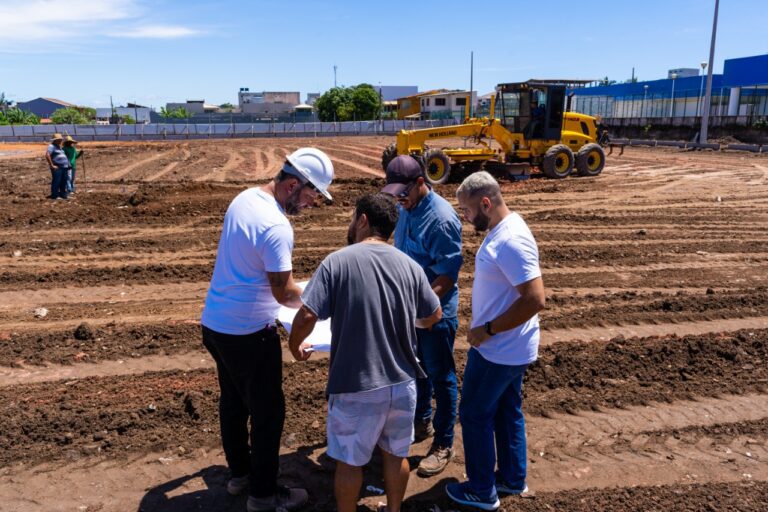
pixel 373 294
pixel 58 157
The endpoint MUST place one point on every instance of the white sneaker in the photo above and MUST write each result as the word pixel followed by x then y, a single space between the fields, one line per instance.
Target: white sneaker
pixel 284 500
pixel 237 485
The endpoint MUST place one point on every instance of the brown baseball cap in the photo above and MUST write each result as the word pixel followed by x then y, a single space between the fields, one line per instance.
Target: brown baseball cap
pixel 401 172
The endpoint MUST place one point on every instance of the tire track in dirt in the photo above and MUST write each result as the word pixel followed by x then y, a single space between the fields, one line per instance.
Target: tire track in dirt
pixel 124 171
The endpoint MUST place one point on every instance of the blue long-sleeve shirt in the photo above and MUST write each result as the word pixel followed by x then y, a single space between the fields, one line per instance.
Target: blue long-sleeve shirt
pixel 430 234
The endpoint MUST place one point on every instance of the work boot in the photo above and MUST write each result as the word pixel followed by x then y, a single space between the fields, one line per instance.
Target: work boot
pixel 422 429
pixel 435 461
pixel 284 499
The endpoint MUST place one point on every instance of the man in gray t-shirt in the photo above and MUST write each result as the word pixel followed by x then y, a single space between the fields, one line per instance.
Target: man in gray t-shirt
pixel 376 296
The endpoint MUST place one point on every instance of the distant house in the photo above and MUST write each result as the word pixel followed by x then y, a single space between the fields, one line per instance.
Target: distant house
pixel 139 114
pixel 409 107
pixel 446 104
pixel 43 107
pixel 267 104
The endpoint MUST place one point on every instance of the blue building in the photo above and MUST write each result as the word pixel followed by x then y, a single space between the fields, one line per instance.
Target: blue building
pixel 740 91
pixel 43 107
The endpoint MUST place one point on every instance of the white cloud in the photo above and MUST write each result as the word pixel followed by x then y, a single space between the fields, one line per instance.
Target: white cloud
pixel 156 32
pixel 25 22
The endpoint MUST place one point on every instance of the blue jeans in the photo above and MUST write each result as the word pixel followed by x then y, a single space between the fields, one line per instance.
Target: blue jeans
pixel 435 351
pixel 59 182
pixel 492 406
pixel 71 180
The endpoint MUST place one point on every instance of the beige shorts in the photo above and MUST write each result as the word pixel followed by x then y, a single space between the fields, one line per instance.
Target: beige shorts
pixel 357 422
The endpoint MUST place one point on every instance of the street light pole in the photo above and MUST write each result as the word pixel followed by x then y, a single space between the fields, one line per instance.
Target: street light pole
pixel 708 96
pixel 672 104
pixel 645 95
pixel 701 89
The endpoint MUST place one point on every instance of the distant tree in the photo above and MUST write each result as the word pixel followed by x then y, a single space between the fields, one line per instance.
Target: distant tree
pixel 360 102
pixel 69 115
pixel 165 113
pixel 227 107
pixel 15 116
pixel 366 102
pixel 606 81
pixel 126 119
pixel 4 102
pixel 181 113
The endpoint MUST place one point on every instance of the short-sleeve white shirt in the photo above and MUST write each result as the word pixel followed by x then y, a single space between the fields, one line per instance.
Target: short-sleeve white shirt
pixel 507 257
pixel 256 238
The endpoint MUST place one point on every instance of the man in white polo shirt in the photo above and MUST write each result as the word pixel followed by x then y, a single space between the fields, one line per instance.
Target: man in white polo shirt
pixel 507 295
pixel 251 278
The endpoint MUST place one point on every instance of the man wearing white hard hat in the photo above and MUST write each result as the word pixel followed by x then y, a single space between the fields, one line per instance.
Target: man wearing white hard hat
pixel 251 279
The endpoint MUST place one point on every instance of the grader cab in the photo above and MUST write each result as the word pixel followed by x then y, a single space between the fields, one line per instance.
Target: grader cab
pixel 529 126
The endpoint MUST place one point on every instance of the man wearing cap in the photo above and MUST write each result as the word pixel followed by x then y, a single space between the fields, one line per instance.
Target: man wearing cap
pixel 58 163
pixel 429 231
pixel 72 155
pixel 251 278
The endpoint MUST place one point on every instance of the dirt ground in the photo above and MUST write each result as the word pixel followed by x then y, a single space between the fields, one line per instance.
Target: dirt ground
pixel 651 392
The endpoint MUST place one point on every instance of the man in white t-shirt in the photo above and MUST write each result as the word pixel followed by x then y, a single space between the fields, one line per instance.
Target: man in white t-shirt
pixel 251 279
pixel 507 295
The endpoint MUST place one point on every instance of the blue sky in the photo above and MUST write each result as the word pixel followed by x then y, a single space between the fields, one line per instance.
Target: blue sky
pixel 152 52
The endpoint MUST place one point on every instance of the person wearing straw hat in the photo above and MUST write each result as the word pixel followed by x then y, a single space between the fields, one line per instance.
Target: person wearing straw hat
pixel 72 155
pixel 59 165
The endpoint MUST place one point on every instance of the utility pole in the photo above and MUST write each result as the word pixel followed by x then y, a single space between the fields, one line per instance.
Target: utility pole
pixel 471 81
pixel 708 95
pixel 334 75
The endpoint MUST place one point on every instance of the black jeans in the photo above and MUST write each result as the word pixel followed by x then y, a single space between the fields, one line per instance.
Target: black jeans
pixel 250 372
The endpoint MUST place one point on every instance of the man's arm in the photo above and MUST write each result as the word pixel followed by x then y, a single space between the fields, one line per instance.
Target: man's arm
pixel 302 326
pixel 48 159
pixel 442 285
pixel 284 289
pixel 530 302
pixel 426 323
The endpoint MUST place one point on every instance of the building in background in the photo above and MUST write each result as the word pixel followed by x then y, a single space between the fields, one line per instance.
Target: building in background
pixel 267 104
pixel 43 107
pixel 740 91
pixel 446 104
pixel 409 107
pixel 140 114
pixel 193 107
pixel 312 97
pixel 683 72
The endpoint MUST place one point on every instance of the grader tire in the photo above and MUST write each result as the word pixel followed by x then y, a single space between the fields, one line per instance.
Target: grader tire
pixel 590 160
pixel 558 162
pixel 437 166
pixel 388 155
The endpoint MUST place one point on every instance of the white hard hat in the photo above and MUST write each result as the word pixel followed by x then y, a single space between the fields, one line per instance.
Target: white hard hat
pixel 314 166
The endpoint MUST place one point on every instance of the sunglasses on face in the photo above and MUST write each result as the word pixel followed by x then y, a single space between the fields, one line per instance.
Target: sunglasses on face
pixel 404 194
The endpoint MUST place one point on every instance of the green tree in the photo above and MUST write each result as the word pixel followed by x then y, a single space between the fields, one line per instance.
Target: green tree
pixel 126 119
pixel 366 102
pixel 360 102
pixel 15 116
pixel 69 115
pixel 181 113
pixel 606 81
pixel 165 113
pixel 5 103
pixel 227 107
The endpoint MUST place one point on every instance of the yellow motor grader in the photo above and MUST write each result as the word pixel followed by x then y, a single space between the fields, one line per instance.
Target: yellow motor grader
pixel 533 129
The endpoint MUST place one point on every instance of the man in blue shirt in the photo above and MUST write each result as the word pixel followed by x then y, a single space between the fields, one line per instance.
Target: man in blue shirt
pixel 429 231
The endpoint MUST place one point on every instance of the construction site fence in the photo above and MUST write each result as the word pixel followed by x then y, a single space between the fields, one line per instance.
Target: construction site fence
pixel 715 146
pixel 714 121
pixel 162 131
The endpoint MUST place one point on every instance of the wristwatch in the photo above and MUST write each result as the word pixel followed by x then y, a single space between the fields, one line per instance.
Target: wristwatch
pixel 488 328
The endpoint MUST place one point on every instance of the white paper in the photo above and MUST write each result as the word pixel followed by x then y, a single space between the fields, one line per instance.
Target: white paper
pixel 319 338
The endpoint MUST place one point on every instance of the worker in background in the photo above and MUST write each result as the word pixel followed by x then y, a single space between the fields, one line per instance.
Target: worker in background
pixel 72 155
pixel 252 277
pixel 507 294
pixel 59 164
pixel 429 231
pixel 376 297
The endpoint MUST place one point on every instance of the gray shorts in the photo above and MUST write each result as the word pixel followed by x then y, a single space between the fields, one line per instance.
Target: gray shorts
pixel 357 422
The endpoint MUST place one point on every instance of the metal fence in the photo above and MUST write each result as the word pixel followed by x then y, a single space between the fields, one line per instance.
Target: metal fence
pixel 161 131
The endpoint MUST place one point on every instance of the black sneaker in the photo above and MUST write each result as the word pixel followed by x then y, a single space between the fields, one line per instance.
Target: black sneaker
pixel 284 500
